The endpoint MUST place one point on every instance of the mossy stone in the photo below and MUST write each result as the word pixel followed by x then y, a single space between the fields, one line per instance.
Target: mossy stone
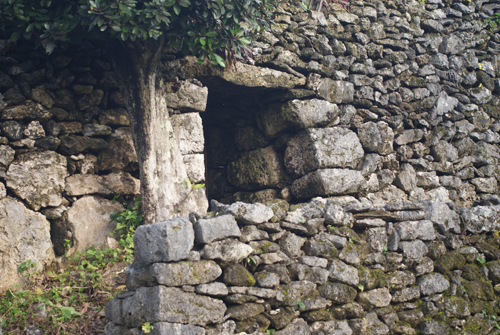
pixel 279 207
pixel 479 290
pixel 318 315
pixel 449 261
pixel 238 275
pixel 372 278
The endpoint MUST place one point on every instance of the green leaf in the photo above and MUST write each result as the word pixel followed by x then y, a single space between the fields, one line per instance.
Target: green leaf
pixel 245 40
pixel 177 9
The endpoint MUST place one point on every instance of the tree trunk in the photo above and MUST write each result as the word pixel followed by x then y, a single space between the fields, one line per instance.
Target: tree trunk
pixel 164 190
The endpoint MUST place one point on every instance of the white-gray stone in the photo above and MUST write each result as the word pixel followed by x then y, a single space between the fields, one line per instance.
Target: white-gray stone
pixel 320 148
pixel 166 241
pixel 24 236
pixel 339 271
pixel 433 283
pixel 249 213
pixel 328 182
pixel 38 178
pixel 229 251
pixel 216 229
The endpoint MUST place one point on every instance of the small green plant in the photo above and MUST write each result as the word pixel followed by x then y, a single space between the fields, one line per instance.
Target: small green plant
pixel 361 287
pixel 333 228
pixel 303 221
pixel 299 304
pixel 25 266
pixel 386 250
pixel 493 20
pixel 491 317
pixel 351 240
pixel 481 260
pixel 251 260
pixel 270 331
pixel 146 328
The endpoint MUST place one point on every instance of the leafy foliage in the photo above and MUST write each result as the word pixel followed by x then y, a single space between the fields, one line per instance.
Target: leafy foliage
pixel 493 20
pixel 215 29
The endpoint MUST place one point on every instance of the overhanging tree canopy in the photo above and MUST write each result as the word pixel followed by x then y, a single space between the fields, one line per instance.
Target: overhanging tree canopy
pixel 134 33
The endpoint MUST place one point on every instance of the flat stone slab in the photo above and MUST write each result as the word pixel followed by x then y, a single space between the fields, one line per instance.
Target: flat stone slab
pixel 172 274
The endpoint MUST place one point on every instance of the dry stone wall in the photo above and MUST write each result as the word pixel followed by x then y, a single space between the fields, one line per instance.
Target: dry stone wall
pixel 388 113
pixel 328 266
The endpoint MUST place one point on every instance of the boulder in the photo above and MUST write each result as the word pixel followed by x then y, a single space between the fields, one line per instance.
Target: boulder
pixel 38 178
pixel 321 148
pixel 89 223
pixel 25 236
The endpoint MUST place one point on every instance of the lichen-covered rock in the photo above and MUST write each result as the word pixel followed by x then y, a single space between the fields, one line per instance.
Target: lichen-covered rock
pixel 370 324
pixel 322 148
pixel 481 219
pixel 38 178
pixel 443 217
pixel 24 235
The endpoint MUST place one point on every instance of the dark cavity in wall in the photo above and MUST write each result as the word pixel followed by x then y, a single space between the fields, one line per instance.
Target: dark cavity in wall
pixel 242 163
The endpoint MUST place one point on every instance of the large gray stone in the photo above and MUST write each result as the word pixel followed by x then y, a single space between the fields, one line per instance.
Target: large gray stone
pixel 376 137
pixel 228 251
pixel 413 250
pixel 336 91
pixel 165 241
pixel 297 327
pixel 322 148
pixel 24 235
pixel 165 304
pixel 172 274
pixel 338 293
pixel 443 217
pixel 341 272
pixel 188 130
pixel 186 96
pixel 89 223
pixel 38 178
pixel 375 298
pixel 249 213
pixel 113 183
pixel 297 114
pixel 216 229
pixel 433 283
pixel 481 219
pixel 331 327
pixel 328 182
pixel 411 230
